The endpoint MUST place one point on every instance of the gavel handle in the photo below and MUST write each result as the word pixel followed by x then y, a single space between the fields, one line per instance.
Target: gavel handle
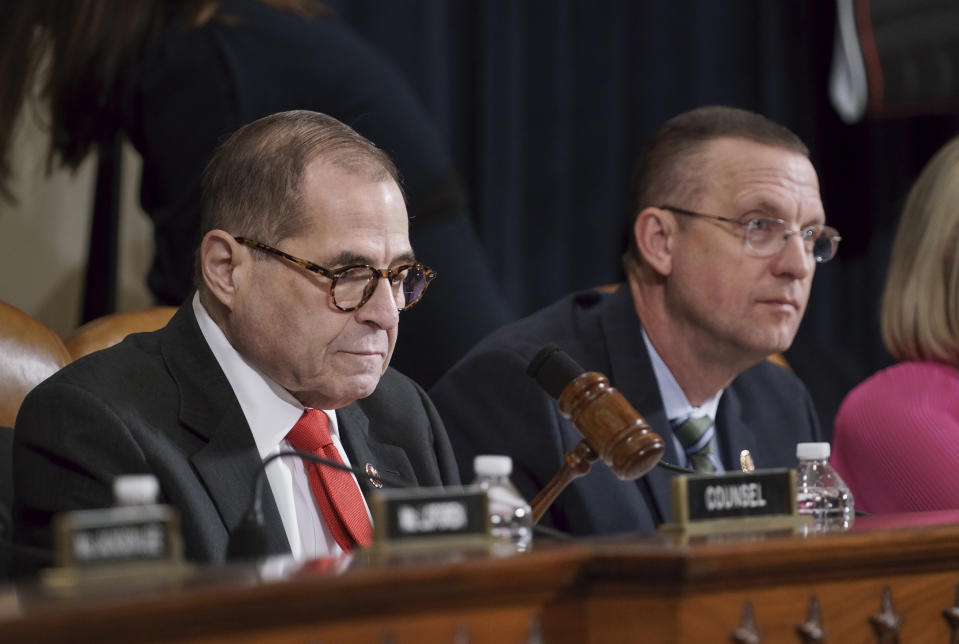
pixel 577 463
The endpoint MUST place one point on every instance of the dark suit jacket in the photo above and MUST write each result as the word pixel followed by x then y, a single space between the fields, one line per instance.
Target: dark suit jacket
pixel 6 495
pixel 491 406
pixel 159 402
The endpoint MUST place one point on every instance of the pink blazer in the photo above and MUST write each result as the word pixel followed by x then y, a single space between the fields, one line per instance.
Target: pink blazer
pixel 896 442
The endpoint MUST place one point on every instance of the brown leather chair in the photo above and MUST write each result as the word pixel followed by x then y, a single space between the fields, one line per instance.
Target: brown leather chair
pixel 29 353
pixel 108 330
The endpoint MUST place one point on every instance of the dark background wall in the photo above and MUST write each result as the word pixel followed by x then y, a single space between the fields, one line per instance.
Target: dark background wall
pixel 546 103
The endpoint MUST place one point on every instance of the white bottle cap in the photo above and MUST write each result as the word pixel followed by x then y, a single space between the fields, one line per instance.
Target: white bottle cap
pixel 812 451
pixel 492 465
pixel 135 489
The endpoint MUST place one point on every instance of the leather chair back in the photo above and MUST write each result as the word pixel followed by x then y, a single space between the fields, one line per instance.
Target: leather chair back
pixel 108 330
pixel 30 352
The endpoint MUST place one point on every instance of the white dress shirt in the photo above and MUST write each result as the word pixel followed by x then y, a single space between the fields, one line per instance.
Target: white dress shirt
pixel 271 412
pixel 675 403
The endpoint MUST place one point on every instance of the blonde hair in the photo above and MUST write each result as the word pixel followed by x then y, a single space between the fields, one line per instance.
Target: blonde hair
pixel 920 305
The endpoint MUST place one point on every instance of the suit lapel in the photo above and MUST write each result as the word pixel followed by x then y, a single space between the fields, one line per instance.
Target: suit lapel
pixel 229 463
pixel 731 430
pixel 365 451
pixel 632 374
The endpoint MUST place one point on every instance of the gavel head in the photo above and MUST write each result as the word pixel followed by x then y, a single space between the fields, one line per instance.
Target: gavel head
pixel 611 426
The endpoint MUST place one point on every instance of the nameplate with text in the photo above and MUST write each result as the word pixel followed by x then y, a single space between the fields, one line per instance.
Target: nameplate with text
pixel 427 515
pixel 117 536
pixel 762 493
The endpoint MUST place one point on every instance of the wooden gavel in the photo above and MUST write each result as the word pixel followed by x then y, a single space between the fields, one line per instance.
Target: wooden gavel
pixel 612 429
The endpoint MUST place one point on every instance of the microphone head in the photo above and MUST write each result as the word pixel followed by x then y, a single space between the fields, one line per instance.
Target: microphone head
pixel 553 369
pixel 248 540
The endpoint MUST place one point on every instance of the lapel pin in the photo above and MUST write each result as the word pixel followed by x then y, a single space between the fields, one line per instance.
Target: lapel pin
pixel 374 475
pixel 746 461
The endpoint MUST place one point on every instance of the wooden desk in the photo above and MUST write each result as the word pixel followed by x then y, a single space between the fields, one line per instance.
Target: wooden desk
pixel 648 589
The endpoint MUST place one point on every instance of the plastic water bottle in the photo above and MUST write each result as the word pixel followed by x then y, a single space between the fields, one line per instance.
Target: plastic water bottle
pixel 135 489
pixel 821 492
pixel 510 518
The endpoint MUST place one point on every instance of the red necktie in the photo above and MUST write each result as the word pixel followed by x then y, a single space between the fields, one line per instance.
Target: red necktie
pixel 335 491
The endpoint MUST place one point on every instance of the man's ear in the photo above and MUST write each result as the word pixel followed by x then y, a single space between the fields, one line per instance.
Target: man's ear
pixel 654 231
pixel 222 264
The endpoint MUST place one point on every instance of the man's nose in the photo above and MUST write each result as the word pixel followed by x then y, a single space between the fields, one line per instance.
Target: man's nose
pixel 382 308
pixel 795 259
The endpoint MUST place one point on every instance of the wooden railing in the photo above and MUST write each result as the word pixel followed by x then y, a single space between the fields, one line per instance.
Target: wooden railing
pixel 663 588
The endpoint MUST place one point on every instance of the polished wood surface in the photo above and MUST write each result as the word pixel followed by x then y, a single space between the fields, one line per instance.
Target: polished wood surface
pixel 661 588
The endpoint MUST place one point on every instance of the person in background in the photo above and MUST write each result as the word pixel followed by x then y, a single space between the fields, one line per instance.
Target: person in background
pixel 273 351
pixel 178 77
pixel 896 443
pixel 728 227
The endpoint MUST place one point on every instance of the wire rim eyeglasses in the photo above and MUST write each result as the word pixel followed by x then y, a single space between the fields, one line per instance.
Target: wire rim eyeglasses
pixel 353 285
pixel 767 236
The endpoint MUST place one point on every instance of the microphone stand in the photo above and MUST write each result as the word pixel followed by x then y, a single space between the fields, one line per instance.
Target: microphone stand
pixel 248 539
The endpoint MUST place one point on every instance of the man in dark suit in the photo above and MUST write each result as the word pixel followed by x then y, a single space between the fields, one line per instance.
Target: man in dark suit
pixel 268 344
pixel 728 227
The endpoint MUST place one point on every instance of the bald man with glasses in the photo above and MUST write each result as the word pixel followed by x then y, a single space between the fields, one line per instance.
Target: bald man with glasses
pixel 273 352
pixel 728 227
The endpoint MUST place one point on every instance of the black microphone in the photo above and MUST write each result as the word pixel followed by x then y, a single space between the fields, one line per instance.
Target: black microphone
pixel 554 370
pixel 248 540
